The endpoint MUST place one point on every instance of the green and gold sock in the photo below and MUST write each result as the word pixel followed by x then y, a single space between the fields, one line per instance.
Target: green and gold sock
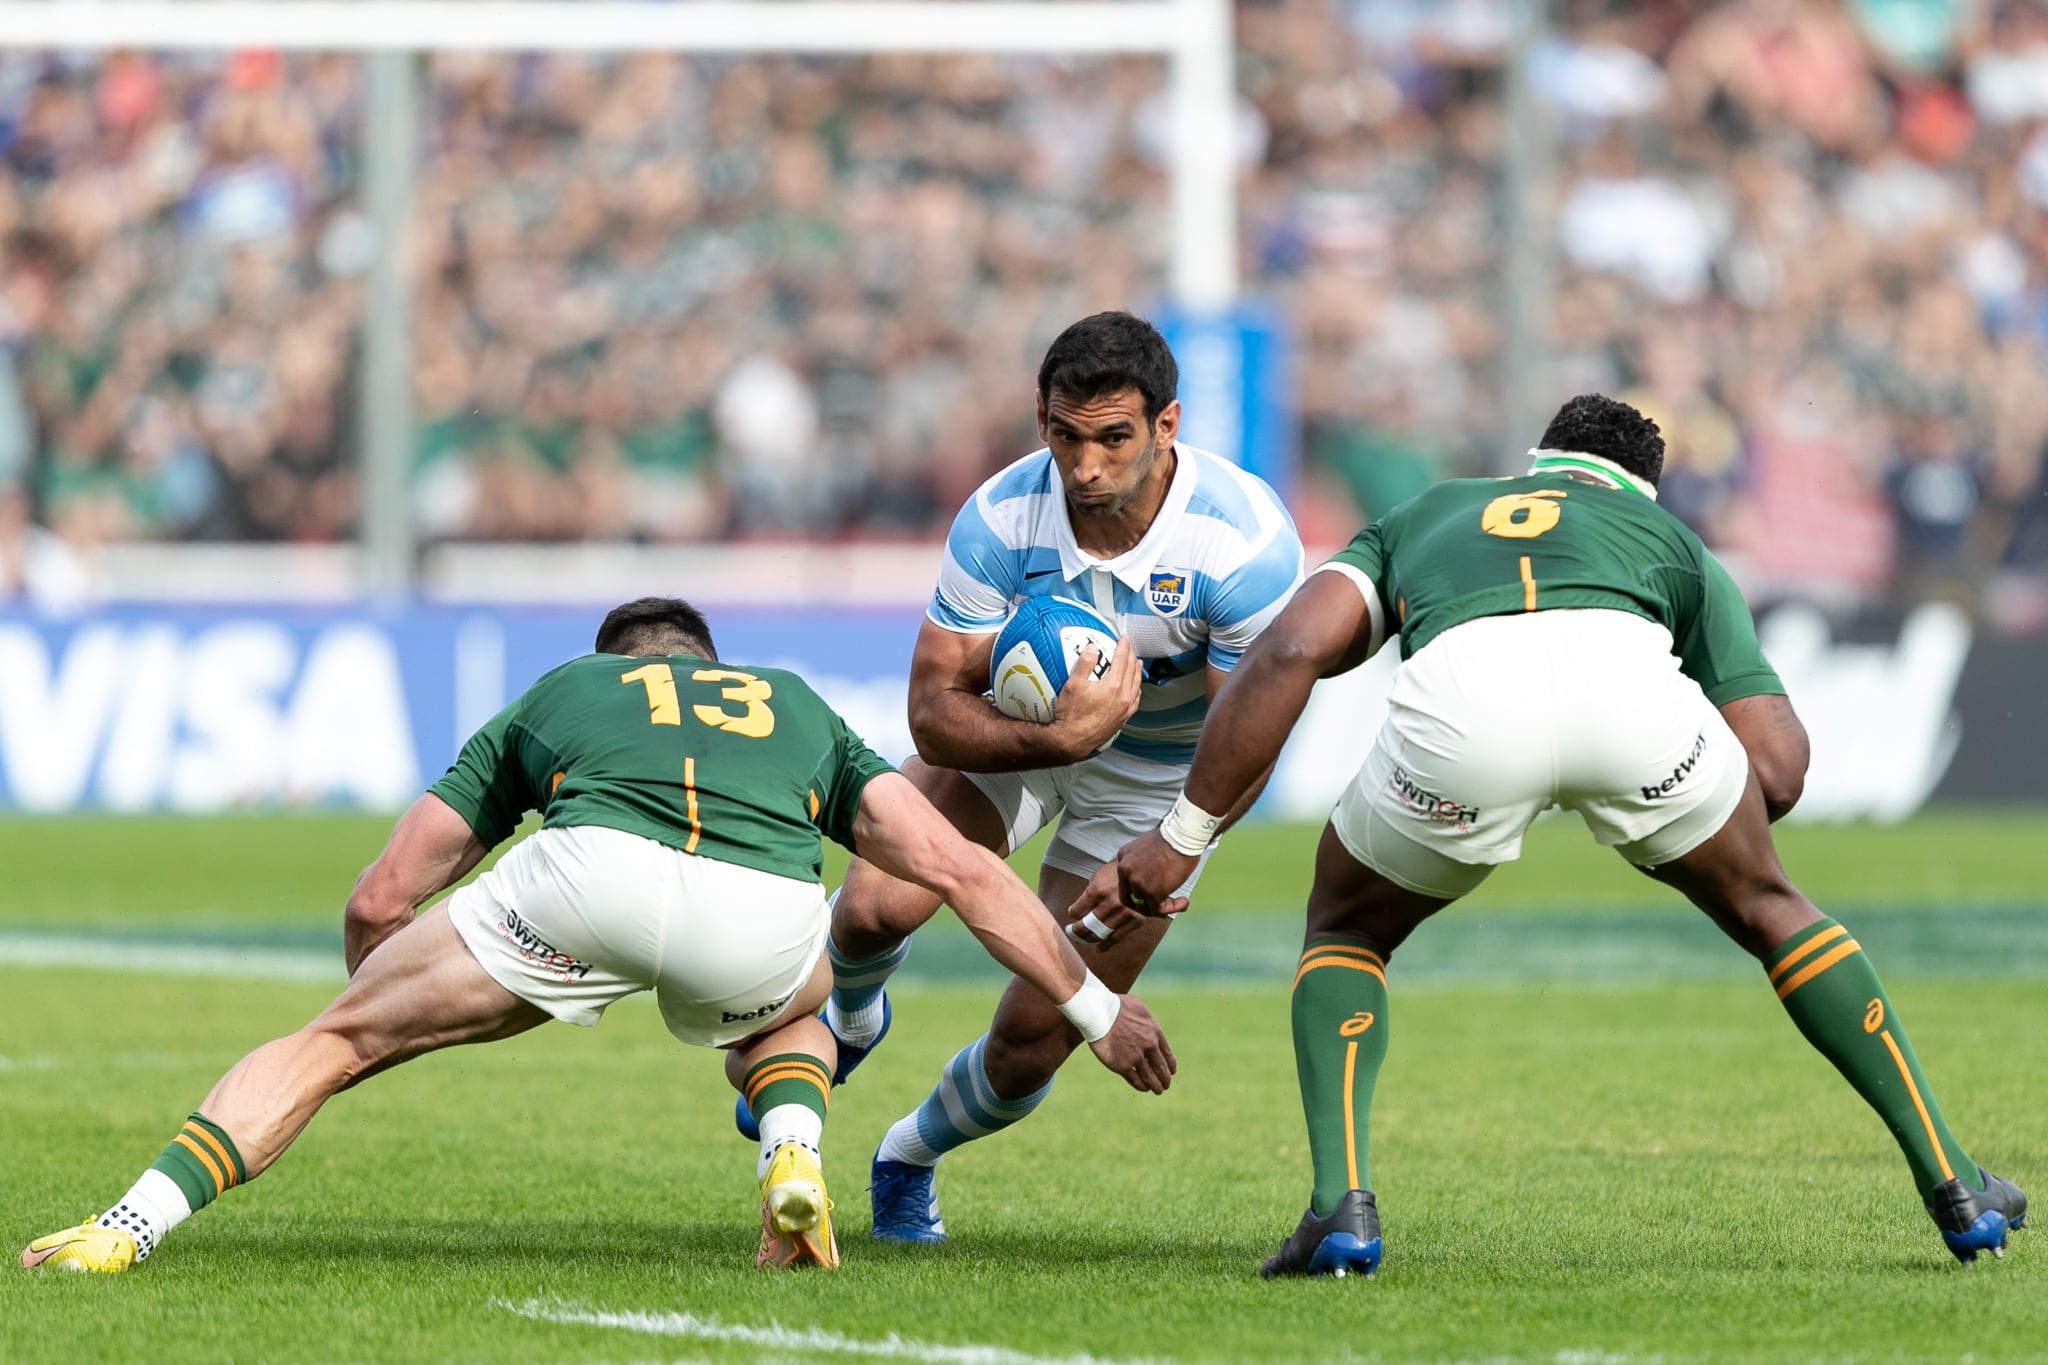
pixel 203 1162
pixel 1832 993
pixel 788 1094
pixel 788 1078
pixel 1340 1039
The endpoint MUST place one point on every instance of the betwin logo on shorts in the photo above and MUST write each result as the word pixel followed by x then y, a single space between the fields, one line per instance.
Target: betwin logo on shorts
pixel 728 1017
pixel 537 949
pixel 1679 773
pixel 1438 808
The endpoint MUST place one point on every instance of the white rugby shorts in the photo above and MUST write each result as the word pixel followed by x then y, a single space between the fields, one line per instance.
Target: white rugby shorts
pixel 1497 719
pixel 575 919
pixel 1102 803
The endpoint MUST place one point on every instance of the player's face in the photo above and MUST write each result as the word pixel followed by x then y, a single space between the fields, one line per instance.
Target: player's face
pixel 1106 451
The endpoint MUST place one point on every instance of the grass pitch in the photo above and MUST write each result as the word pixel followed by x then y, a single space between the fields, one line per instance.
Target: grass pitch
pixel 1597 1137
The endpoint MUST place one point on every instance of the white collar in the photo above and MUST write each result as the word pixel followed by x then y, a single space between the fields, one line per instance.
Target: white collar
pixel 1134 565
pixel 1543 461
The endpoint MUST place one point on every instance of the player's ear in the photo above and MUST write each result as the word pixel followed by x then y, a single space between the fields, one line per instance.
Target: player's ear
pixel 1044 433
pixel 1167 424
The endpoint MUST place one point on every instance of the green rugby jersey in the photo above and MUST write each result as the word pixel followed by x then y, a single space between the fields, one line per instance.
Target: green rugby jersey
pixel 1493 547
pixel 742 765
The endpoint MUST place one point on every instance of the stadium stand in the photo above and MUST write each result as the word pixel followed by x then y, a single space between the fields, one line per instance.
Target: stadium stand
pixel 668 299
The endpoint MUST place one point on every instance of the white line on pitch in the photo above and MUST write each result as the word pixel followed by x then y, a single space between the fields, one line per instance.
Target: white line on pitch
pixel 170 959
pixel 775 1337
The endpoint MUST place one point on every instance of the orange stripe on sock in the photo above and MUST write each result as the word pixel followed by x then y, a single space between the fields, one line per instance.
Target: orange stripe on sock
pixel 1816 967
pixel 1926 1120
pixel 1812 945
pixel 219 1184
pixel 1350 1125
pixel 1347 950
pixel 784 1070
pixel 789 1071
pixel 1353 964
pixel 227 1163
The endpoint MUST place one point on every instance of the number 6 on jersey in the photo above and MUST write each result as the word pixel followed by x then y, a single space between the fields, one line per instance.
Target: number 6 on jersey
pixel 1521 516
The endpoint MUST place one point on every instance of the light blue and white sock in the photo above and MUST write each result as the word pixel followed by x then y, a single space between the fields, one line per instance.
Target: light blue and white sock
pixel 854 1011
pixel 962 1107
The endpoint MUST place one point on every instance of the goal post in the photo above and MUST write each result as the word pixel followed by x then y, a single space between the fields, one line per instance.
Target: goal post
pixel 1193 37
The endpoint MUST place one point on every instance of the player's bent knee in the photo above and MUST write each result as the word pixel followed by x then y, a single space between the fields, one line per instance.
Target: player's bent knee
pixel 1023 1055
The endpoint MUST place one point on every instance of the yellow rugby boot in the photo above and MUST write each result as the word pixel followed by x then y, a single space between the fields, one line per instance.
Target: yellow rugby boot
pixel 796 1217
pixel 87 1247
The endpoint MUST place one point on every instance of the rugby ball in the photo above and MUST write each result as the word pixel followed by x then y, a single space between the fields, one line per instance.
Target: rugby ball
pixel 1036 651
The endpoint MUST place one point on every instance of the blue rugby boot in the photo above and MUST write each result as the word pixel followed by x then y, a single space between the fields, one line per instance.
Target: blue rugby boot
pixel 1977 1220
pixel 905 1208
pixel 1345 1243
pixel 849 1058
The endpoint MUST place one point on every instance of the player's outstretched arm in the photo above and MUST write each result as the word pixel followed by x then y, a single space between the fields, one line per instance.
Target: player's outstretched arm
pixel 901 833
pixel 1774 738
pixel 954 726
pixel 430 849
pixel 1325 630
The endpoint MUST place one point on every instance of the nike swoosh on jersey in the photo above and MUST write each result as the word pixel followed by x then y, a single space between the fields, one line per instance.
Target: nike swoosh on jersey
pixel 1040 573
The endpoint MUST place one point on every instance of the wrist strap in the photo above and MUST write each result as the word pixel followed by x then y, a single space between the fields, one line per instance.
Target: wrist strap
pixel 1093 1009
pixel 1188 828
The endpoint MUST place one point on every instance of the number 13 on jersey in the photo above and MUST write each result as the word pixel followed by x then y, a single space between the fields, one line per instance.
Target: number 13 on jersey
pixel 754 721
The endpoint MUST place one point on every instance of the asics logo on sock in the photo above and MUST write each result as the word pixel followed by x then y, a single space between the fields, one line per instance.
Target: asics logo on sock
pixel 1355 1025
pixel 1873 1016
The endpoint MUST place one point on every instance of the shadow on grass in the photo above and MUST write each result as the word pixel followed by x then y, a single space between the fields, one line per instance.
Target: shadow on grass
pixel 525 1245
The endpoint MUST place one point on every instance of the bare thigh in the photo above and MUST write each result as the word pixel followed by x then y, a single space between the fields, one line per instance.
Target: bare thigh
pixel 875 911
pixel 1351 901
pixel 1737 879
pixel 421 990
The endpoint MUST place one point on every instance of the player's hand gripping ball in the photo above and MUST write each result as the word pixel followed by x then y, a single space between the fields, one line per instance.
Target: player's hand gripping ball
pixel 1038 648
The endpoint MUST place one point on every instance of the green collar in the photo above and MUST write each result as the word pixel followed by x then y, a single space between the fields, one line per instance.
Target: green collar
pixel 1542 461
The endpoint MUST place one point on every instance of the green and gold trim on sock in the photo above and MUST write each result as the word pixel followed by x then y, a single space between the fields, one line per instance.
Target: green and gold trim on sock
pixel 788 1078
pixel 202 1160
pixel 1803 959
pixel 1341 955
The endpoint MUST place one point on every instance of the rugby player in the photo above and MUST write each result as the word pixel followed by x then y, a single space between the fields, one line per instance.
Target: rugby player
pixel 684 801
pixel 1564 642
pixel 1191 557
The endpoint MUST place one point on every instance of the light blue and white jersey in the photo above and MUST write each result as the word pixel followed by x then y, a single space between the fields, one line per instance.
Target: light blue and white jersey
pixel 1219 562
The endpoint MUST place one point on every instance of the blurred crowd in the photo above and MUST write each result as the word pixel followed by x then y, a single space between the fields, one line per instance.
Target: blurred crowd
pixel 1809 236
pixel 697 298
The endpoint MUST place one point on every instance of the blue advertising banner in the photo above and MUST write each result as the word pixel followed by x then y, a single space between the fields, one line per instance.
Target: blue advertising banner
pixel 195 709
pixel 169 708
pixel 1237 387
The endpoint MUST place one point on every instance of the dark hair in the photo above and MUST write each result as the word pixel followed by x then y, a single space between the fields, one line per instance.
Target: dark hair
pixel 1107 353
pixel 655 625
pixel 1594 424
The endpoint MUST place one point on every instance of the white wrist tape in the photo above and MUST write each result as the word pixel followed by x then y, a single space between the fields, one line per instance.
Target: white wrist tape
pixel 1093 1009
pixel 1188 828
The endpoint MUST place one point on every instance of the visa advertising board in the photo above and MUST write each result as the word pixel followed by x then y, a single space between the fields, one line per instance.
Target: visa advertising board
pixel 192 709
